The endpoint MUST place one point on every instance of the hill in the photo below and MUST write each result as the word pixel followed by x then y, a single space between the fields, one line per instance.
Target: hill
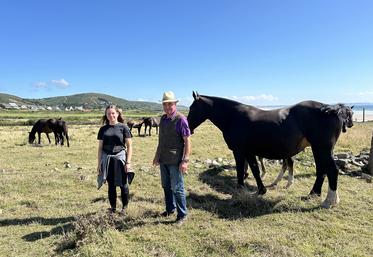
pixel 85 100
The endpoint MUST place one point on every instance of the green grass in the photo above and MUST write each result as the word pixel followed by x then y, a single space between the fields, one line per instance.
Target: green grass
pixel 49 210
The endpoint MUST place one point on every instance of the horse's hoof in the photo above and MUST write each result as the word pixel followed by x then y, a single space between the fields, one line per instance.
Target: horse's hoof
pixel 262 191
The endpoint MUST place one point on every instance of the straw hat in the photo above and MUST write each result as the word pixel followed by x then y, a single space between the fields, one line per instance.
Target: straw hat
pixel 169 97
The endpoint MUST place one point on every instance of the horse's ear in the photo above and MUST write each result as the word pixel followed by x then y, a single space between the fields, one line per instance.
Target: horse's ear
pixel 195 95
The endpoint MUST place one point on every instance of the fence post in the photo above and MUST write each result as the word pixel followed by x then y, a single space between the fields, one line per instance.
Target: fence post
pixel 363 114
pixel 370 163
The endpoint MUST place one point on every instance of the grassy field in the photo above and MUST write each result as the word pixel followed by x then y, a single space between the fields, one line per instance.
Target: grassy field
pixel 49 204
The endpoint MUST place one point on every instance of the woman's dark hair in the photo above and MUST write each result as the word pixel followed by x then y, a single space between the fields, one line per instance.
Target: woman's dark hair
pixel 104 119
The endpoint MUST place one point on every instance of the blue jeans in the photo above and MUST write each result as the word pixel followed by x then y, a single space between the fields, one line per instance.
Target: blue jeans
pixel 173 187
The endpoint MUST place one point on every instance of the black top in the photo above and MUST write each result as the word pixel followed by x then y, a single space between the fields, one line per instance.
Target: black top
pixel 113 137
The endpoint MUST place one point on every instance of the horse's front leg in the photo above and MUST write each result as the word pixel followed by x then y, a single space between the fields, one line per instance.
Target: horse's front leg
pixel 56 140
pixel 240 167
pixel 39 137
pixel 253 163
pixel 320 173
pixel 328 165
pixel 49 140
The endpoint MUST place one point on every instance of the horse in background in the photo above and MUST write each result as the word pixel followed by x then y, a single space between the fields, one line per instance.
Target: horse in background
pixel 276 134
pixel 57 127
pixel 135 124
pixel 151 122
pixel 40 126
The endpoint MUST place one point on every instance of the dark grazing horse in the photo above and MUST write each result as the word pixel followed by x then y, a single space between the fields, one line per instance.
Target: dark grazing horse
pixel 56 126
pixel 151 122
pixel 40 126
pixel 276 134
pixel 135 124
pixel 59 128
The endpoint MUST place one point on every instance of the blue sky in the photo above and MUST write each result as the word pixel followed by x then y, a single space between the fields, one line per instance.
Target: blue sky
pixel 264 52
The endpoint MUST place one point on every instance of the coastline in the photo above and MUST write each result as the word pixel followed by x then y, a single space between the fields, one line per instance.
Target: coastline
pixel 358 115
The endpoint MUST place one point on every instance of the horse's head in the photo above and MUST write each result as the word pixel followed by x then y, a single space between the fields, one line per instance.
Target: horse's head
pixel 198 111
pixel 31 138
pixel 346 114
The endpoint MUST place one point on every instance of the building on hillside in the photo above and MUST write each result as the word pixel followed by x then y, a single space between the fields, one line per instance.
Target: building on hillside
pixel 9 106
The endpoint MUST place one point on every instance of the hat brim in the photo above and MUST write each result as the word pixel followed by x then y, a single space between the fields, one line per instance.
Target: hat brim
pixel 170 101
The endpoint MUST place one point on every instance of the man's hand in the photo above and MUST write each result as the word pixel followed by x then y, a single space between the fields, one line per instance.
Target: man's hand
pixel 183 167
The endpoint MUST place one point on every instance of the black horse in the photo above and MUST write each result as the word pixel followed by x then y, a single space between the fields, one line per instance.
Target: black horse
pixel 135 124
pixel 288 164
pixel 151 122
pixel 59 128
pixel 56 126
pixel 277 134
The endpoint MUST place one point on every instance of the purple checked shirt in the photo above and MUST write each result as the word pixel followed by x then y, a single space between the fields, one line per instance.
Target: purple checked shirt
pixel 182 126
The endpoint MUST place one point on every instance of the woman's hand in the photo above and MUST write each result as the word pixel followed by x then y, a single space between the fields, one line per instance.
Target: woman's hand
pixel 127 167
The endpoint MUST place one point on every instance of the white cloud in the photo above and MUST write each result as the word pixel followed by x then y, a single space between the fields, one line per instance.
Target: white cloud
pixel 250 98
pixel 258 99
pixel 40 84
pixel 61 83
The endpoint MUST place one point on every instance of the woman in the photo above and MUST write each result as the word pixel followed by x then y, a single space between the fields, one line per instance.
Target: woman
pixel 114 156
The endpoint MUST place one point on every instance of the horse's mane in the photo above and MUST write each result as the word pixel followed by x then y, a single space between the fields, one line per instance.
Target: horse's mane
pixel 225 101
pixel 344 112
pixel 35 128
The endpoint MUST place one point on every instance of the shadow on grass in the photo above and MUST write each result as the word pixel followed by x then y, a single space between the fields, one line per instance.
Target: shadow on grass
pixel 58 230
pixel 244 203
pixel 41 220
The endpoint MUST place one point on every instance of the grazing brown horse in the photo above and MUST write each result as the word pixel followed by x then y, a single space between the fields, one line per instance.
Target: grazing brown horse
pixel 56 126
pixel 151 122
pixel 276 134
pixel 59 128
pixel 135 124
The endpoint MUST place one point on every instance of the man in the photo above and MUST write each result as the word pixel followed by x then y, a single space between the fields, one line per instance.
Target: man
pixel 173 157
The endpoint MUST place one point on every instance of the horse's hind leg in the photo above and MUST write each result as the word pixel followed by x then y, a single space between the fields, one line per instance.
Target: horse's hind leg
pixel 253 163
pixel 263 167
pixel 290 164
pixel 280 174
pixel 67 139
